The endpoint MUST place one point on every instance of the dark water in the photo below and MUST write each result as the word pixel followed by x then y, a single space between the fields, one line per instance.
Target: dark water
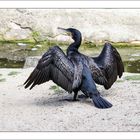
pixel 5 63
pixel 132 66
pixel 13 56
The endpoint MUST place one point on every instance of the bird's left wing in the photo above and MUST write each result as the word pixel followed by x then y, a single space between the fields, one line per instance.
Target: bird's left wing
pixel 54 65
pixel 110 63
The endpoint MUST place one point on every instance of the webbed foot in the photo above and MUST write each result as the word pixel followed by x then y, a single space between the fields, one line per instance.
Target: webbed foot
pixel 82 96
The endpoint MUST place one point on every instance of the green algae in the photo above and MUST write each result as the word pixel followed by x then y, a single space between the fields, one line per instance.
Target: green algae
pixel 133 77
pixel 11 53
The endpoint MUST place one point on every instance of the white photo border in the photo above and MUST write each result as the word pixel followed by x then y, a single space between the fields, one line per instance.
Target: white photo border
pixel 70 5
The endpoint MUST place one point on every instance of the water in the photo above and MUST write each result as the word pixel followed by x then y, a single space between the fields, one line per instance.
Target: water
pixel 132 66
pixel 130 57
pixel 5 63
pixel 13 55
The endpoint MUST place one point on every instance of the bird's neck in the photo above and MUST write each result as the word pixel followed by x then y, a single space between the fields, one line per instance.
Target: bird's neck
pixel 74 46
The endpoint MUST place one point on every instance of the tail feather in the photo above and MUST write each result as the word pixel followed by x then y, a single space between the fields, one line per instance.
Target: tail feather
pixel 100 102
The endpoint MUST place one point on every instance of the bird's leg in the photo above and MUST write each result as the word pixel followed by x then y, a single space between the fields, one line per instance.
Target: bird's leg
pixel 83 96
pixel 75 96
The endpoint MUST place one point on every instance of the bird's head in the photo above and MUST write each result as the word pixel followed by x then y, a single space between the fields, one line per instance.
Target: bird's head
pixel 74 33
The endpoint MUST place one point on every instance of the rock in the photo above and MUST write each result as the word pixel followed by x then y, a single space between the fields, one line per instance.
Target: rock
pixel 63 38
pixel 22 44
pixel 34 49
pixel 131 59
pixel 17 34
pixel 136 55
pixel 31 61
pixel 135 42
pixel 96 25
pixel 39 46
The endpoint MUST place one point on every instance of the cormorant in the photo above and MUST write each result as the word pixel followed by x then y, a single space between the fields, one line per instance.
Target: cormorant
pixel 76 71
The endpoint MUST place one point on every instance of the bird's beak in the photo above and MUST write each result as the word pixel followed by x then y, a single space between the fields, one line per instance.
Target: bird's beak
pixel 65 31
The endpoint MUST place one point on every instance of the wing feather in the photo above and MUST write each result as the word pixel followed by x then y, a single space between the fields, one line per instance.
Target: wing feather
pixel 111 64
pixel 54 65
pixel 97 74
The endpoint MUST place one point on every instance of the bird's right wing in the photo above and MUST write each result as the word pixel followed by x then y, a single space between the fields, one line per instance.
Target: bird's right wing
pixel 110 62
pixel 54 65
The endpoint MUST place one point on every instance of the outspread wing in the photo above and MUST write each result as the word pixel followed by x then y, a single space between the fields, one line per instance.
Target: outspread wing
pixel 110 62
pixel 54 65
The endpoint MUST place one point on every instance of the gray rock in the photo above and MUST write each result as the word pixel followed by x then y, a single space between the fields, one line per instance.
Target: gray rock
pixel 96 25
pixel 31 61
pixel 22 44
pixel 34 49
pixel 39 46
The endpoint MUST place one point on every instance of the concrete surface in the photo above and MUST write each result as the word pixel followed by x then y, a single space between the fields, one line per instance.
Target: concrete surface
pixel 43 109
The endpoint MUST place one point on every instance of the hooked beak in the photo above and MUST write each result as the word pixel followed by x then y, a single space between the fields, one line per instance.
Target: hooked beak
pixel 65 31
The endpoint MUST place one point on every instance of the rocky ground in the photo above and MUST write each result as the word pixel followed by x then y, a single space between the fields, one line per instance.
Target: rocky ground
pixel 116 25
pixel 45 109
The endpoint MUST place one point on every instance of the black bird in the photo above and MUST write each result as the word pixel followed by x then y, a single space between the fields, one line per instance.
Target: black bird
pixel 75 71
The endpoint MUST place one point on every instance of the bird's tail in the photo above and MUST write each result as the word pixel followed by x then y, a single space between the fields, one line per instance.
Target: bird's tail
pixel 100 102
